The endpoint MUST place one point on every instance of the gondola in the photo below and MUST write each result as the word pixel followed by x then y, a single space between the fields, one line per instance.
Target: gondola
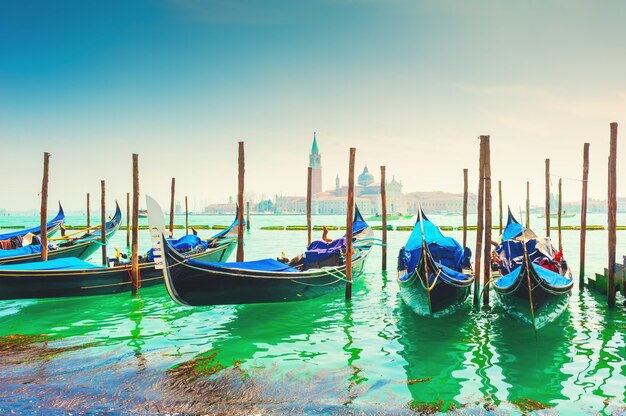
pixel 434 271
pixel 65 277
pixel 319 271
pixel 533 282
pixel 51 227
pixel 82 246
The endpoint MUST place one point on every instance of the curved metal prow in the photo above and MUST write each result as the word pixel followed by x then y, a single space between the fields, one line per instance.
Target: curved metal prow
pixel 156 226
pixel 425 257
pixel 529 282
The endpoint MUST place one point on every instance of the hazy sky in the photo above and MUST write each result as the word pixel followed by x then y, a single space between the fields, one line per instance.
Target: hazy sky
pixel 410 84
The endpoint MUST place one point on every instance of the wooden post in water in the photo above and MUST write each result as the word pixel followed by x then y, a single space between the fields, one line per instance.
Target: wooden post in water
pixel 44 208
pixel 103 222
pixel 242 170
pixel 135 235
pixel 612 213
pixel 583 216
pixel 127 219
pixel 500 199
pixel 172 193
pixel 88 213
pixel 488 223
pixel 309 197
pixel 465 198
pixel 527 204
pixel 479 222
pixel 349 220
pixel 383 204
pixel 247 215
pixel 548 197
pixel 560 214
pixel 186 216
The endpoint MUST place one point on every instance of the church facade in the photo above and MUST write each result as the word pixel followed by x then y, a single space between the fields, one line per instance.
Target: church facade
pixel 367 195
pixel 333 201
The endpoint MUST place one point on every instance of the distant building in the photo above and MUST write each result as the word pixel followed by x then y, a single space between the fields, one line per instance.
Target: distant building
pixel 178 210
pixel 265 206
pixel 440 202
pixel 315 163
pixel 366 196
pixel 292 205
pixel 3 212
pixel 593 206
pixel 229 208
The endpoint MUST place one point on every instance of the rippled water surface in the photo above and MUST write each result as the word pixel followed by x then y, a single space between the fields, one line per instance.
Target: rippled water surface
pixel 371 355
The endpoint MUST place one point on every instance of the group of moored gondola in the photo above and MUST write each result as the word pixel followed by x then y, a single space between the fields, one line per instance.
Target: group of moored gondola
pixel 83 245
pixel 68 274
pixel 435 276
pixel 532 281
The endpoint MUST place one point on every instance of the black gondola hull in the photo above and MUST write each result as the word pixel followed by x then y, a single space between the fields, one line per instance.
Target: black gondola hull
pixel 86 282
pixel 444 299
pixel 202 286
pixel 81 251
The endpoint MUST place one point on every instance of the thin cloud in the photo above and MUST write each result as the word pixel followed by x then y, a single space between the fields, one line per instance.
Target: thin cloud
pixel 612 105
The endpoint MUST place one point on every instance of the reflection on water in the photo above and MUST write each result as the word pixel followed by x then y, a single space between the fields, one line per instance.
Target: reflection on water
pixel 323 355
pixel 433 350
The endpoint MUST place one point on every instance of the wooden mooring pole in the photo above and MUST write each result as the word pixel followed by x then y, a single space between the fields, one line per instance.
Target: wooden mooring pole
pixel 527 204
pixel 172 194
pixel 240 190
pixel 465 198
pixel 500 204
pixel 309 196
pixel 488 223
pixel 247 215
pixel 383 204
pixel 186 216
pixel 88 213
pixel 559 215
pixel 612 220
pixel 548 197
pixel 479 222
pixel 135 234
pixel 127 219
pixel 103 222
pixel 583 216
pixel 349 220
pixel 44 208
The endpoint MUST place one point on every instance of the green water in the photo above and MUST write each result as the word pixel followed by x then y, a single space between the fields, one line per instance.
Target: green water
pixel 372 355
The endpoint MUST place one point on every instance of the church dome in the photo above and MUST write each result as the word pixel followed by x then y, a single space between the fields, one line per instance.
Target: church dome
pixel 366 178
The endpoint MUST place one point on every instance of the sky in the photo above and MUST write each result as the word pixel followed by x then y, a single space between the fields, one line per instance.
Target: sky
pixel 411 84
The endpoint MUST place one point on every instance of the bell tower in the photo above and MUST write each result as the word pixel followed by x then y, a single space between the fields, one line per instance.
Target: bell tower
pixel 315 162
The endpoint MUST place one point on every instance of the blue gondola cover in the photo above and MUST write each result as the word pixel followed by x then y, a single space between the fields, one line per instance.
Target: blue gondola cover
pixel 185 243
pixel 67 263
pixel 189 242
pixel 548 276
pixel 444 250
pixel 511 249
pixel 22 251
pixel 264 265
